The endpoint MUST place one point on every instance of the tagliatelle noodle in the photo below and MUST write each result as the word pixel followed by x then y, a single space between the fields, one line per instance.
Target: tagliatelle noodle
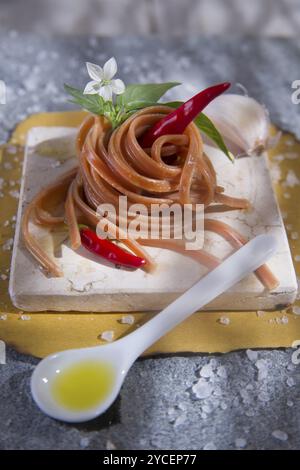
pixel 111 163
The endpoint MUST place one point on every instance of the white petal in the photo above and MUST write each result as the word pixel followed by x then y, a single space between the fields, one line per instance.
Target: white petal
pixel 106 92
pixel 117 86
pixel 110 69
pixel 94 71
pixel 91 88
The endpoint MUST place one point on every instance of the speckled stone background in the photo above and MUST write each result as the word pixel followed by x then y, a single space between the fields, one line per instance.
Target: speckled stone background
pixel 143 17
pixel 238 400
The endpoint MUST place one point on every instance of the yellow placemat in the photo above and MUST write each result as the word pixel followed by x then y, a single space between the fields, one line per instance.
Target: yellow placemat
pixel 42 333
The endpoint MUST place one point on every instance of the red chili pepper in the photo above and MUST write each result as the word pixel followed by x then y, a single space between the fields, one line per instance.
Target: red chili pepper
pixel 108 250
pixel 177 120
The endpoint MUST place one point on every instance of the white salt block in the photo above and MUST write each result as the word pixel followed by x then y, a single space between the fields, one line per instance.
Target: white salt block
pixel 90 284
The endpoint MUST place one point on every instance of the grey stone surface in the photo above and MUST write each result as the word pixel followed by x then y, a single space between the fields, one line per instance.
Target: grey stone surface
pixel 159 406
pixel 34 69
pixel 175 17
pixel 240 400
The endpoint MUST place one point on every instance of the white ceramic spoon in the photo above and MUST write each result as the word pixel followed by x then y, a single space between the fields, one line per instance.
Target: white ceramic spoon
pixel 121 354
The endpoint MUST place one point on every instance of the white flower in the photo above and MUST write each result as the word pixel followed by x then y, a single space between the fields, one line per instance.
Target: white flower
pixel 102 83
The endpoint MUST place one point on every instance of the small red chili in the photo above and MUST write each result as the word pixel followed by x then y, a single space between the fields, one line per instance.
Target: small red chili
pixel 178 120
pixel 108 250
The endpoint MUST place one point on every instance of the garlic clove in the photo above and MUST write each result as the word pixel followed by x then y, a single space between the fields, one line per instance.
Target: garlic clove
pixel 243 122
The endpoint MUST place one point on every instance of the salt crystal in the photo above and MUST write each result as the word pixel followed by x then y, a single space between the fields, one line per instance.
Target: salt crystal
pixel 207 409
pixel 209 446
pixel 8 244
pixel 291 155
pixel 7 166
pixel 252 355
pixel 240 443
pixel 203 415
pixel 294 235
pixel 264 397
pixel 53 55
pixel 221 372
pixel 107 336
pixel 110 445
pixel 292 179
pixel 181 406
pixel 202 389
pixel 286 195
pixel 289 227
pixel 290 382
pixel 206 371
pixel 31 83
pixel 297 258
pixel 250 413
pixel 290 403
pixel 275 172
pixel 236 402
pixel 224 320
pixel 261 365
pixel 3 316
pixel 127 319
pixel 217 392
pixel 11 149
pixel 56 164
pixel 262 374
pixel 245 396
pixel 181 419
pixel 284 320
pixel 213 363
pixel 280 435
pixel 260 313
pixel 296 310
pixel 3 277
pixel 171 412
pixel 278 158
pixel 25 317
pixel 223 406
pixel 84 442
pixel 93 41
pixel 14 193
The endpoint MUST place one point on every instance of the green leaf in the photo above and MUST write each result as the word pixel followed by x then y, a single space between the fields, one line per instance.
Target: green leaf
pixel 208 128
pixel 143 93
pixel 174 104
pixel 92 103
pixel 136 105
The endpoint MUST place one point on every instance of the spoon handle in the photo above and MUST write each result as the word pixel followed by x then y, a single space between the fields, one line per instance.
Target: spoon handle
pixel 244 261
